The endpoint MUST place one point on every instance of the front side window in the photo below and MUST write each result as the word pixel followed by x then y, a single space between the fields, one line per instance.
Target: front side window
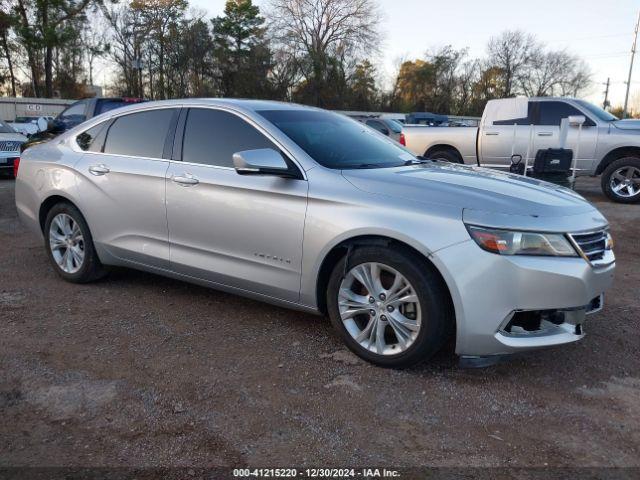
pixel 335 141
pixel 211 137
pixel 141 134
pixel 551 113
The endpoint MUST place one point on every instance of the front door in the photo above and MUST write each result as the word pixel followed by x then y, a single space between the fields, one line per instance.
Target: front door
pixel 243 231
pixel 124 185
pixel 547 133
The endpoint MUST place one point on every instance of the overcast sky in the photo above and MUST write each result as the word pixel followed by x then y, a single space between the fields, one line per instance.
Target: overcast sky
pixel 600 31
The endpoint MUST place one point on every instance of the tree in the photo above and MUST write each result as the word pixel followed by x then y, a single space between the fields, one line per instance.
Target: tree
pixel 511 52
pixel 6 22
pixel 44 26
pixel 158 18
pixel 320 33
pixel 241 53
pixel 363 86
pixel 554 73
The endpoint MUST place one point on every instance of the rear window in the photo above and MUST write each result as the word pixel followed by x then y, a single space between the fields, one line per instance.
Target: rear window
pixel 111 104
pixel 141 134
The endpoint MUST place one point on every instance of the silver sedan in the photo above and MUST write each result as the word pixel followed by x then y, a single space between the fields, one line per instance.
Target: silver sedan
pixel 314 211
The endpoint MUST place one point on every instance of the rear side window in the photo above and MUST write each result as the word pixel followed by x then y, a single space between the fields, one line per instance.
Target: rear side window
pixel 140 134
pixel 211 137
pixel 92 139
pixel 551 113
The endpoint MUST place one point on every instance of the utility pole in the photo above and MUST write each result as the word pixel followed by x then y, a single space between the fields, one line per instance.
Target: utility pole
pixel 633 54
pixel 605 104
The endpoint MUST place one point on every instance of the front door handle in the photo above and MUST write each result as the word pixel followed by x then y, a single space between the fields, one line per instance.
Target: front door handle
pixel 545 134
pixel 98 170
pixel 490 134
pixel 186 179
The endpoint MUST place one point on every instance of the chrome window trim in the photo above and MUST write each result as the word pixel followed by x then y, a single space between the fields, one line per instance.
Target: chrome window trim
pixel 76 148
pixel 254 124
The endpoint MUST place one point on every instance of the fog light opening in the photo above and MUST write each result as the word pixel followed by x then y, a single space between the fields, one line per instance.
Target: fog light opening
pixel 533 321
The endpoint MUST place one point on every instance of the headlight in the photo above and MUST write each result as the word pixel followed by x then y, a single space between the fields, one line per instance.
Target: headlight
pixel 507 242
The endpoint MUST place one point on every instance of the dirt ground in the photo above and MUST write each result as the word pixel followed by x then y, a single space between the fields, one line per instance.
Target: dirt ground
pixel 139 370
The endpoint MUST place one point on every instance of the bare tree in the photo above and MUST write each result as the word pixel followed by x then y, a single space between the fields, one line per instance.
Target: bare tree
pixel 554 73
pixel 318 32
pixel 511 52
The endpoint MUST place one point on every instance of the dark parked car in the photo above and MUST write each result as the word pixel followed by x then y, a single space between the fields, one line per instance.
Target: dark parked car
pixel 78 112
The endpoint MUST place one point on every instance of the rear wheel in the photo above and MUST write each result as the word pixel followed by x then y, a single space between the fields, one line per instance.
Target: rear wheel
pixel 621 180
pixel 70 246
pixel 446 155
pixel 389 306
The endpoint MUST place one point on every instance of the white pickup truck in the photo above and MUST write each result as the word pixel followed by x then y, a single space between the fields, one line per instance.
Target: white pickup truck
pixel 607 146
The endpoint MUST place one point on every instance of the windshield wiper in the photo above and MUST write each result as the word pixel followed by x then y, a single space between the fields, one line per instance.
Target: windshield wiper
pixel 419 160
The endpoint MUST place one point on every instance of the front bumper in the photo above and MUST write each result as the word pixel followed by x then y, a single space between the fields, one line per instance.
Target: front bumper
pixel 494 297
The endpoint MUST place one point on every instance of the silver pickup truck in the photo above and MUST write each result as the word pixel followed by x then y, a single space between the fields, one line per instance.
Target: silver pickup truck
pixel 604 144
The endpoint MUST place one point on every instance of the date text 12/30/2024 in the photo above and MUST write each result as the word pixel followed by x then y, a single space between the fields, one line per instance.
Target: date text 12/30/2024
pixel 315 473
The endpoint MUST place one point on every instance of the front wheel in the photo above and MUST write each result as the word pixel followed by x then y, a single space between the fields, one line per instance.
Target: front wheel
pixel 389 306
pixel 621 180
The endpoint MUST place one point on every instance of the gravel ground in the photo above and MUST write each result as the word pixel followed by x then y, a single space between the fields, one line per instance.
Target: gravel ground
pixel 139 370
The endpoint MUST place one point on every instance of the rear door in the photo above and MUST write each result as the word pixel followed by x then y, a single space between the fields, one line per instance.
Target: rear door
pixel 123 184
pixel 547 132
pixel 243 231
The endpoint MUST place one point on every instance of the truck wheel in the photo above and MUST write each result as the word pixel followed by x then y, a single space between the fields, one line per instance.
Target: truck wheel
pixel 446 155
pixel 621 180
pixel 388 306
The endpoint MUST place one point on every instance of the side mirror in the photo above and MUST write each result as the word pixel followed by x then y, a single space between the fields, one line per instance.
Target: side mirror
pixel 577 120
pixel 264 161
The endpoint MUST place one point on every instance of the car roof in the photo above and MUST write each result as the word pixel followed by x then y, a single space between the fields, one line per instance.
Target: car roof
pixel 242 104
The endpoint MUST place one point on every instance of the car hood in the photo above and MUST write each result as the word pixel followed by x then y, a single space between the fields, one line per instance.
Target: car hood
pixel 627 124
pixel 472 188
pixel 12 137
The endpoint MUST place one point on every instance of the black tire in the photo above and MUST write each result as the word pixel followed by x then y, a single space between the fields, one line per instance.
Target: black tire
pixel 606 179
pixel 437 316
pixel 91 269
pixel 446 155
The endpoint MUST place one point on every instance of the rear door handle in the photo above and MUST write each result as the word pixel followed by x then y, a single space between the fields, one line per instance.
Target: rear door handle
pixel 545 134
pixel 491 134
pixel 186 179
pixel 98 170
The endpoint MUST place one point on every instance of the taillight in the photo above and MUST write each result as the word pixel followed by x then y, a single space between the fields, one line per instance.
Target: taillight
pixel 16 165
pixel 402 140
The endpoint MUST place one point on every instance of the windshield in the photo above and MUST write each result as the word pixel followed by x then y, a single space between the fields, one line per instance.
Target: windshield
pixel 4 128
pixel 597 111
pixel 335 141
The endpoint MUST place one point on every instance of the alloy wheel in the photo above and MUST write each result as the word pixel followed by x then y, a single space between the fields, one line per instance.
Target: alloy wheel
pixel 379 308
pixel 67 243
pixel 625 181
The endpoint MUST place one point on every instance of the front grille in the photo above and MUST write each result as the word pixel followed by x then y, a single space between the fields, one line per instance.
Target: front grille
pixel 591 245
pixel 10 146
